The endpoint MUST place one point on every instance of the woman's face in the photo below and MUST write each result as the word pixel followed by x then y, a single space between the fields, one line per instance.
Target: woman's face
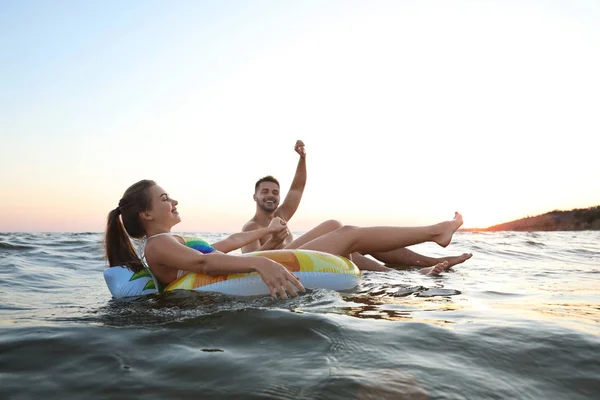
pixel 163 209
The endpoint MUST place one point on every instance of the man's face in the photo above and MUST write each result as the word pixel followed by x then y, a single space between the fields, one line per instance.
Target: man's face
pixel 267 196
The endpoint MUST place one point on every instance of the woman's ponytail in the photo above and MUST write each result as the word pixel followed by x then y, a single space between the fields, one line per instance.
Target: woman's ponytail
pixel 119 250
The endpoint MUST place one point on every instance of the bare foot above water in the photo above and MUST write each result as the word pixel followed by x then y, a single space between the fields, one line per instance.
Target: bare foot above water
pixel 455 260
pixel 436 270
pixel 447 229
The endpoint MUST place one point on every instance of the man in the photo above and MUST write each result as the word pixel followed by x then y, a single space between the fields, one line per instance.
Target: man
pixel 267 197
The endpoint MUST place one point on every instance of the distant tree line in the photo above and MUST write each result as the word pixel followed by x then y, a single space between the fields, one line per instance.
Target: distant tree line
pixel 587 215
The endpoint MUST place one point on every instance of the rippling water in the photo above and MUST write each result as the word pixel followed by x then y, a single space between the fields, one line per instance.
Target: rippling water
pixel 520 320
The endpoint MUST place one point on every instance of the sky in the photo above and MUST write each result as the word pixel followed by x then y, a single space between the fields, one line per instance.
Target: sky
pixel 409 110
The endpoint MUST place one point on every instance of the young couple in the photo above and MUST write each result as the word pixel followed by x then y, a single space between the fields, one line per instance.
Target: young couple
pixel 147 211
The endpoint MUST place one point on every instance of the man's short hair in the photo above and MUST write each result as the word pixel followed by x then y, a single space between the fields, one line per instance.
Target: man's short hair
pixel 267 178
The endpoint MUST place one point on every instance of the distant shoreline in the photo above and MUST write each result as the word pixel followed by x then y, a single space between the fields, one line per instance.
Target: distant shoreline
pixel 579 219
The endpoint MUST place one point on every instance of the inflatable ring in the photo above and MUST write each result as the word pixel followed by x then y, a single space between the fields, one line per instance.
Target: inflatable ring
pixel 315 270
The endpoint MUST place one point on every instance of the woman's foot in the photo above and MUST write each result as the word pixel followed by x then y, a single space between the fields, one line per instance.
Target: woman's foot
pixel 447 229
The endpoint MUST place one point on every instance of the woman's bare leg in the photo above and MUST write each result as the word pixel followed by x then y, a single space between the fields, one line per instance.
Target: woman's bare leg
pixel 362 262
pixel 366 264
pixel 400 256
pixel 351 239
pixel 318 231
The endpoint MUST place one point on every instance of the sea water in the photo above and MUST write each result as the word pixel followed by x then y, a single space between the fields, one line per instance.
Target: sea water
pixel 520 320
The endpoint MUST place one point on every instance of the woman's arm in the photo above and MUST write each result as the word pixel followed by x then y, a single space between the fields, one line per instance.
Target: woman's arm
pixel 241 239
pixel 168 253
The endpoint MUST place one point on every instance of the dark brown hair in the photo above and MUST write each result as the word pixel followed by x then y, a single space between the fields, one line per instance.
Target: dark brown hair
pixel 117 242
pixel 267 178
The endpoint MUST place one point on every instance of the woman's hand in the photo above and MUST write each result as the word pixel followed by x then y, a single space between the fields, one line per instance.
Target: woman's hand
pixel 277 225
pixel 279 230
pixel 278 279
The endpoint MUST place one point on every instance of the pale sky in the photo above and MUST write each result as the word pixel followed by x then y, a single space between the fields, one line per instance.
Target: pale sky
pixel 410 110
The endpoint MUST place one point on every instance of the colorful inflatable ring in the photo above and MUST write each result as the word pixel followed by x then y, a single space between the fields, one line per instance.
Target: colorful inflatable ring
pixel 315 270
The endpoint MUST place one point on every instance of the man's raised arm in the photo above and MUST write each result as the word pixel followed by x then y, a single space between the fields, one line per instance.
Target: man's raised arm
pixel 289 206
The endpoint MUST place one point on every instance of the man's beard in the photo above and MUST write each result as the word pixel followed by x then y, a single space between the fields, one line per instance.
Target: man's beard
pixel 268 208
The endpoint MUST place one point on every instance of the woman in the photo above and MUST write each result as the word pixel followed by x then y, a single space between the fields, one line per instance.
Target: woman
pixel 148 212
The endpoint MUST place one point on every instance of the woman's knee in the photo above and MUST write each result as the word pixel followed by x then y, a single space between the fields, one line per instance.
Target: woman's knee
pixel 347 229
pixel 348 236
pixel 332 224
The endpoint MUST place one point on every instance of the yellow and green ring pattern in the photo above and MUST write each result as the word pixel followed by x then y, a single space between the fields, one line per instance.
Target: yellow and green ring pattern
pixel 293 260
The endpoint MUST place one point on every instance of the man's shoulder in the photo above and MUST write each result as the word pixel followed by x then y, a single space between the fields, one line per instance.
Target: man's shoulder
pixel 252 225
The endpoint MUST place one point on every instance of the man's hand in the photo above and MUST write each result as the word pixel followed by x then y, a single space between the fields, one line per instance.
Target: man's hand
pixel 299 148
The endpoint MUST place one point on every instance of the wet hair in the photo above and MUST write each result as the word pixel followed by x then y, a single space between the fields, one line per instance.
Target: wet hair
pixel 267 178
pixel 117 243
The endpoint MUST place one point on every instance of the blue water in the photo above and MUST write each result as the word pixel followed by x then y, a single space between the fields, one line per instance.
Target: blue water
pixel 520 320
